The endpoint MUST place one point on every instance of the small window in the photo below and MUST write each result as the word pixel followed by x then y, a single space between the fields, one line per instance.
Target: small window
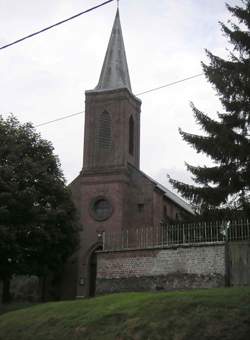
pixel 165 212
pixel 131 135
pixel 140 207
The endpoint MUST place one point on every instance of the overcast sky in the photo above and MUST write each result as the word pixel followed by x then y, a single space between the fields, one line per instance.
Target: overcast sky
pixel 45 77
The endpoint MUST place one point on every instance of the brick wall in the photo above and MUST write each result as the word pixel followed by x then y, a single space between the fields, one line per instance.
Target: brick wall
pixel 166 269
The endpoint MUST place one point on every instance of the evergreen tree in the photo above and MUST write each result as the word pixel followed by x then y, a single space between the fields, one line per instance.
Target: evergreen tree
pixel 38 228
pixel 224 189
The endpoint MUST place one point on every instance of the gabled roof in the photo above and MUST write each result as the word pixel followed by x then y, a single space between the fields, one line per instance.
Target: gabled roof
pixel 173 197
pixel 115 74
pixel 167 193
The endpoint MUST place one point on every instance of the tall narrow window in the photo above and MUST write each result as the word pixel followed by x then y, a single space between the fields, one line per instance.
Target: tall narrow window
pixel 165 212
pixel 104 138
pixel 131 135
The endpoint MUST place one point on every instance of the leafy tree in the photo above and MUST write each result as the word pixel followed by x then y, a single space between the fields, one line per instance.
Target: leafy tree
pixel 38 228
pixel 224 188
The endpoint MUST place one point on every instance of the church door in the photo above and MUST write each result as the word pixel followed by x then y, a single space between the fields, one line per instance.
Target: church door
pixel 92 272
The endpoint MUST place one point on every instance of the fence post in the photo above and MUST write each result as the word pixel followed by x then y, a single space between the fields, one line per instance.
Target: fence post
pixel 104 240
pixel 227 257
pixel 227 264
pixel 217 233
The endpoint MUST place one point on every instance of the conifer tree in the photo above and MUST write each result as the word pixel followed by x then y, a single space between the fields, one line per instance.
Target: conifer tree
pixel 224 189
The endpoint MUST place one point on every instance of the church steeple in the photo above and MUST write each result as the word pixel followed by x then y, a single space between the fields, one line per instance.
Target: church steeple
pixel 115 74
pixel 112 114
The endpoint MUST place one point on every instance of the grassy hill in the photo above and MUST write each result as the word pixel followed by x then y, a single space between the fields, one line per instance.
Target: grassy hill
pixel 189 315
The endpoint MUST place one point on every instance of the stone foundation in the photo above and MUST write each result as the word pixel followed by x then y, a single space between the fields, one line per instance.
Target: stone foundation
pixel 174 281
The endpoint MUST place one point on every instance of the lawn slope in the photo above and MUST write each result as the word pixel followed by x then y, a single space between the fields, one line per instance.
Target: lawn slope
pixel 186 315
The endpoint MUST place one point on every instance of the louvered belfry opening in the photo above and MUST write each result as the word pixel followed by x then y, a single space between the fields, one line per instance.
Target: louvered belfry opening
pixel 104 137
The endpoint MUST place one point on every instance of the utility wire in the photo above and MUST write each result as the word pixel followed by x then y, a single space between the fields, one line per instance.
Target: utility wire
pixel 169 84
pixel 138 94
pixel 57 24
pixel 58 119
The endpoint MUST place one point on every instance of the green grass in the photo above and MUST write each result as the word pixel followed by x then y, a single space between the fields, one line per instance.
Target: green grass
pixel 14 306
pixel 186 315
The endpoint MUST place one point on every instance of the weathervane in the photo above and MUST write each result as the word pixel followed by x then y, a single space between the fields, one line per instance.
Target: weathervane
pixel 118 3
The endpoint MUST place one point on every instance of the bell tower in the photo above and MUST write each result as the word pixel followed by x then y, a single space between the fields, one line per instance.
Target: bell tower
pixel 104 192
pixel 112 113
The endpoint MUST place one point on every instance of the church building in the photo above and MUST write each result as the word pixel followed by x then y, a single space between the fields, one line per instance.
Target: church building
pixel 111 193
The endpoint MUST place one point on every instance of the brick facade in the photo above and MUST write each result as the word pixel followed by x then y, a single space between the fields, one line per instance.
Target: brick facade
pixel 121 105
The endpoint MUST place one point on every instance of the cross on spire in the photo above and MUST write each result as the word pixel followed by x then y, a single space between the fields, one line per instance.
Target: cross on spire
pixel 118 2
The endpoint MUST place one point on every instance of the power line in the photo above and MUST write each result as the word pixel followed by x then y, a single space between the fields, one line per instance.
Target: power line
pixel 138 94
pixel 169 84
pixel 61 118
pixel 54 25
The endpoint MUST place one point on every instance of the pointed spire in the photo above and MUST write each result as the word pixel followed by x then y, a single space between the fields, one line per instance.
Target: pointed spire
pixel 115 72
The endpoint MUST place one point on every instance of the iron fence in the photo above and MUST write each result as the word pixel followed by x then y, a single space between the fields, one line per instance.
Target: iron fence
pixel 177 234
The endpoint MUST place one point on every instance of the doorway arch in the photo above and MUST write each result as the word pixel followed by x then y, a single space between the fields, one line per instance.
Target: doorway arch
pixel 92 271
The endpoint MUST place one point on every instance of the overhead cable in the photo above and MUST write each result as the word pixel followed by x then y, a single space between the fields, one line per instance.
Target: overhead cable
pixel 54 25
pixel 61 118
pixel 138 94
pixel 169 84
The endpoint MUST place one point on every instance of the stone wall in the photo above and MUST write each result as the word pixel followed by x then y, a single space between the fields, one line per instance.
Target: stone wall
pixel 23 288
pixel 161 269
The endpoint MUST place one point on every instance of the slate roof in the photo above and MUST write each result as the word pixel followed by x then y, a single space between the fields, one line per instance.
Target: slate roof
pixel 115 74
pixel 167 193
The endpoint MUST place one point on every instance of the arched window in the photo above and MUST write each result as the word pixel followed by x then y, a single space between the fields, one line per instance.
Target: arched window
pixel 131 135
pixel 104 138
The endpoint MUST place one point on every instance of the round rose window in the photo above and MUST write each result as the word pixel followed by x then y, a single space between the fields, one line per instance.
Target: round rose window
pixel 101 209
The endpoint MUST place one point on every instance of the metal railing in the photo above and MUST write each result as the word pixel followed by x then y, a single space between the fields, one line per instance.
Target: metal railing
pixel 177 234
